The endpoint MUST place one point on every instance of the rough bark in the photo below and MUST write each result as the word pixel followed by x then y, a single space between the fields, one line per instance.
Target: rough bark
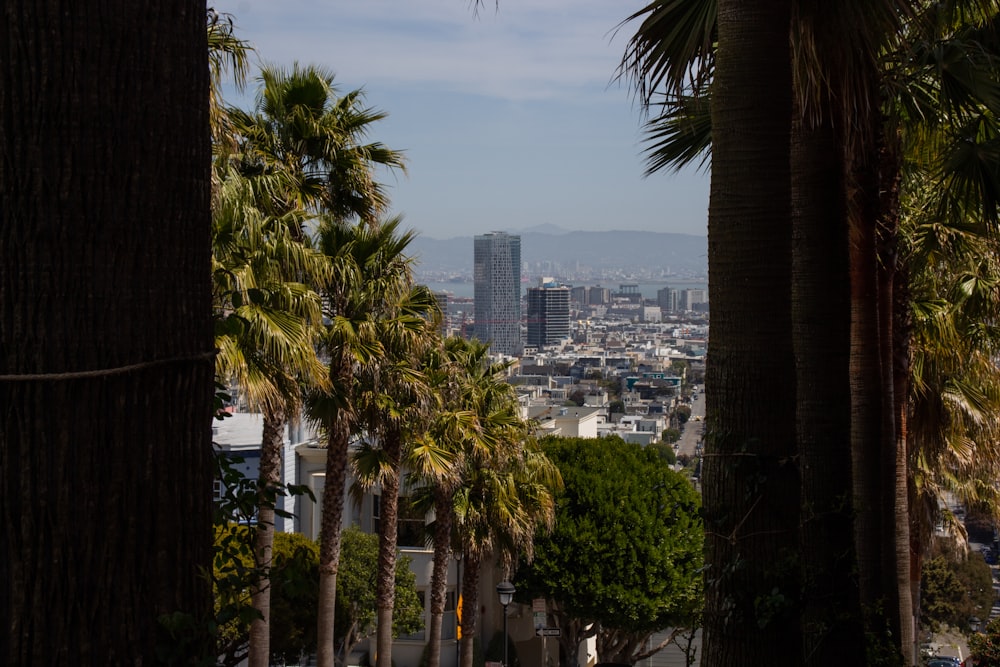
pixel 105 333
pixel 470 607
pixel 895 345
pixel 439 573
pixel 750 481
pixel 338 441
pixel 269 476
pixel 385 585
pixel 833 633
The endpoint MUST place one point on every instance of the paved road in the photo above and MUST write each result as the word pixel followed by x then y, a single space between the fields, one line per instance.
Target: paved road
pixel 691 431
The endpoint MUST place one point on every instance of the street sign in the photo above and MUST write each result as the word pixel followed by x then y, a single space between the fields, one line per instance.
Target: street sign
pixel 538 605
pixel 548 632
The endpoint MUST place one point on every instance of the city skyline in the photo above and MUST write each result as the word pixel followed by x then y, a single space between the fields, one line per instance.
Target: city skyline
pixel 509 116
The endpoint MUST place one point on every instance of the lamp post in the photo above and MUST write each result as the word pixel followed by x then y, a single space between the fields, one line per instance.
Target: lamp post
pixel 505 590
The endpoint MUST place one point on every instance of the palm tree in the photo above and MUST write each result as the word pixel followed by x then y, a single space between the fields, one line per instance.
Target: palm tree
pixel 505 495
pixel 303 126
pixel 268 323
pixel 460 375
pixel 367 261
pixel 395 404
pixel 227 54
pixel 300 128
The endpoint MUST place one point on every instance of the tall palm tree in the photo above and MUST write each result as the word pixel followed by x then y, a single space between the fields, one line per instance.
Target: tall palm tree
pixel 301 128
pixel 301 124
pixel 466 423
pixel 395 404
pixel 435 463
pixel 367 262
pixel 506 493
pixel 268 325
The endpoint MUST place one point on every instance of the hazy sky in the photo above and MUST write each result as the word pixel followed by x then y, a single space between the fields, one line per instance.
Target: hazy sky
pixel 509 117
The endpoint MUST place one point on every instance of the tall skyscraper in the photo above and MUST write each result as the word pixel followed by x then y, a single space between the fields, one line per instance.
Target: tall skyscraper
pixel 548 313
pixel 497 276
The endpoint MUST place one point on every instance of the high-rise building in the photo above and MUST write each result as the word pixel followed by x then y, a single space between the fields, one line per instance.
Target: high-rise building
pixel 548 313
pixel 497 283
pixel 690 298
pixel 666 299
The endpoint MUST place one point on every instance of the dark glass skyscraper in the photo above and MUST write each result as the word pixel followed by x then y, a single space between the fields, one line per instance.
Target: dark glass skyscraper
pixel 497 276
pixel 548 313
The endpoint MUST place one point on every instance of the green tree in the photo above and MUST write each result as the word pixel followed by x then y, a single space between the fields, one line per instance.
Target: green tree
pixel 682 413
pixel 294 575
pixel 624 559
pixel 671 435
pixel 954 590
pixel 105 334
pixel 985 646
pixel 665 451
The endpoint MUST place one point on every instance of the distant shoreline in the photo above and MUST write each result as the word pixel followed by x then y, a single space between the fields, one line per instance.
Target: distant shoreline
pixel 647 289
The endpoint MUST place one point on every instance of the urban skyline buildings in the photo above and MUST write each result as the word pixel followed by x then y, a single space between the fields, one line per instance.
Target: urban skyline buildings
pixel 548 313
pixel 497 290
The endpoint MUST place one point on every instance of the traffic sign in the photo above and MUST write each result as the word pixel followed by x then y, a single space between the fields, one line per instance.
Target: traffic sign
pixel 548 632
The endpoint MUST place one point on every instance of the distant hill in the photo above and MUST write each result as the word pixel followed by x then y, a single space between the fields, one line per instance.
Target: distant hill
pixel 682 254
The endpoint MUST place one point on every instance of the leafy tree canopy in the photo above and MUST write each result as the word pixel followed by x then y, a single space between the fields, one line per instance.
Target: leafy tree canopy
pixel 683 413
pixel 626 550
pixel 294 594
pixel 953 591
pixel 671 435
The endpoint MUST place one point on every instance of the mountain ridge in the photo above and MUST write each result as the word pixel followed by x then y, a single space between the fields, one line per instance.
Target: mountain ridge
pixel 562 252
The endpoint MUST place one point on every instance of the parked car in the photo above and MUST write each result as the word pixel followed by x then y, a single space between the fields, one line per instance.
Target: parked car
pixel 944 661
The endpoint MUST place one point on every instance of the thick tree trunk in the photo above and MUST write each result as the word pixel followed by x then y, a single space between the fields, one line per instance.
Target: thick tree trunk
pixel 895 345
pixel 470 607
pixel 871 454
pixel 750 480
pixel 269 476
pixel 338 441
pixel 439 573
pixel 105 333
pixel 833 633
pixel 385 586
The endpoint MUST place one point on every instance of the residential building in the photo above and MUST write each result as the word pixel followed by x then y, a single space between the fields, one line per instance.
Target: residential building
pixel 548 313
pixel 497 285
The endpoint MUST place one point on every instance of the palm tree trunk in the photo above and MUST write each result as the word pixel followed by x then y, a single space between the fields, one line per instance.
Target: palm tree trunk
pixel 470 606
pixel 833 633
pixel 895 345
pixel 439 574
pixel 873 503
pixel 385 586
pixel 338 441
pixel 105 333
pixel 750 480
pixel 269 476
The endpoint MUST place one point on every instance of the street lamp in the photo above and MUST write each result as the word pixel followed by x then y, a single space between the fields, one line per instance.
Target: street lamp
pixel 505 590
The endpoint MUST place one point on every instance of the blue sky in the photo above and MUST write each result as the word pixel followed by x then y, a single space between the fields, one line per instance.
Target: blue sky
pixel 509 117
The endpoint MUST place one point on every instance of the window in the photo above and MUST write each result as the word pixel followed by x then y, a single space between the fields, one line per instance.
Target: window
pixel 411 528
pixel 448 622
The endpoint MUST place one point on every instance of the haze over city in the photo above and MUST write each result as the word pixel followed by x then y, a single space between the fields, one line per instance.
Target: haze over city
pixel 509 115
